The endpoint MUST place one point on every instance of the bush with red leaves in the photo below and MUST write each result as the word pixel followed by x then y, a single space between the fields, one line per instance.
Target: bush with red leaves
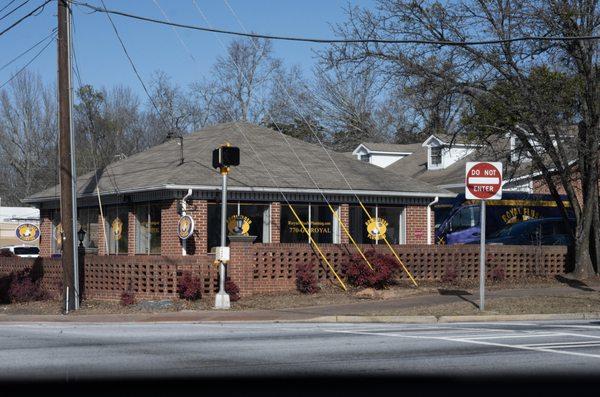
pixel 451 274
pixel 359 274
pixel 127 297
pixel 306 280
pixel 498 273
pixel 189 287
pixel 232 289
pixel 22 286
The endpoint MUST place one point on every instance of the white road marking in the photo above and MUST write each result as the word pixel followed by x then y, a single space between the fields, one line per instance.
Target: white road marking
pixel 476 342
pixel 596 327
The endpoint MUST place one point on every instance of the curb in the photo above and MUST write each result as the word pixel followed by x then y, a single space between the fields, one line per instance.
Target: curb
pixel 161 318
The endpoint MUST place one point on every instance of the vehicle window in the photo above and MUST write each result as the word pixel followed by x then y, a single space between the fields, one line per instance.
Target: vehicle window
pixel 465 218
pixel 27 250
pixel 548 228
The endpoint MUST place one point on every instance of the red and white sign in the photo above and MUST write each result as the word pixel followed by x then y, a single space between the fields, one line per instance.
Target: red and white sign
pixel 483 181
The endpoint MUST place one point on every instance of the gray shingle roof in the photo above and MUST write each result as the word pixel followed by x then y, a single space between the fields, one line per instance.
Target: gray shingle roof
pixel 158 167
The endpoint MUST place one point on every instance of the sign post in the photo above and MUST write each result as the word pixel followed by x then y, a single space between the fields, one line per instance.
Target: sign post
pixel 483 181
pixel 224 157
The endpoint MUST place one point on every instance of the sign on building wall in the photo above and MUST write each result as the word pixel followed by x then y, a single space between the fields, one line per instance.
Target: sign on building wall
pixel 27 232
pixel 185 227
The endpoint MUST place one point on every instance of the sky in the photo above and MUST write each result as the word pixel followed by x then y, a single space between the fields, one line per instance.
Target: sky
pixel 155 47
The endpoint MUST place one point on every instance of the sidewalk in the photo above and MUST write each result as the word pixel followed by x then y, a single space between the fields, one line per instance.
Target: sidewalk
pixel 356 312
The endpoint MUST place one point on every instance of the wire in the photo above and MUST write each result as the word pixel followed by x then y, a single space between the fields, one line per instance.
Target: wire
pixel 14 9
pixel 40 7
pixel 328 154
pixel 8 5
pixel 28 63
pixel 133 66
pixel 28 50
pixel 333 41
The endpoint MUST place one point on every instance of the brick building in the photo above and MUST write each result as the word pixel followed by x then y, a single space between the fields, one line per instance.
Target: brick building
pixel 132 206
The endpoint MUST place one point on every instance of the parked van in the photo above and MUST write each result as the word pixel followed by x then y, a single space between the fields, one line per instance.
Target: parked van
pixel 461 226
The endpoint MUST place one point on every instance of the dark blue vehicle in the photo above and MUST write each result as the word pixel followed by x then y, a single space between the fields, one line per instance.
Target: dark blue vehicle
pixel 546 231
pixel 461 226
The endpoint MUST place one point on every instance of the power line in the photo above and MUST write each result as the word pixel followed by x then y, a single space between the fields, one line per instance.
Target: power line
pixel 8 5
pixel 28 50
pixel 28 63
pixel 40 7
pixel 139 77
pixel 334 41
pixel 14 9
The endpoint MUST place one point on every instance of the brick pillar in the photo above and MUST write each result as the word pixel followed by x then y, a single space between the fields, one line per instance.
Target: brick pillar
pixel 416 224
pixel 198 243
pixel 170 244
pixel 275 222
pixel 45 233
pixel 241 267
pixel 345 218
pixel 131 231
pixel 101 234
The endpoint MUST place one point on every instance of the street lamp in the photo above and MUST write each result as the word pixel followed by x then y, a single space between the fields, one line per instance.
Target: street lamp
pixel 81 236
pixel 223 158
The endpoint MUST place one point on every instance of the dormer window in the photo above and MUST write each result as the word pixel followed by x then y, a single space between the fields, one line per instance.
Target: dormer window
pixel 365 158
pixel 436 156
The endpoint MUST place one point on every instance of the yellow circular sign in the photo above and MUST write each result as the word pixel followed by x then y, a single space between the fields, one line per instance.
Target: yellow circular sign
pixel 27 232
pixel 232 224
pixel 185 227
pixel 117 228
pixel 376 228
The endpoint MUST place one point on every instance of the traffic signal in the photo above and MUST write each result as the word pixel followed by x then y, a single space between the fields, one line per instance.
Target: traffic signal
pixel 226 156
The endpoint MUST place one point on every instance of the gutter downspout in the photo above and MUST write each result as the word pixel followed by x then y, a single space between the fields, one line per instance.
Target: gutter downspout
pixel 183 209
pixel 435 200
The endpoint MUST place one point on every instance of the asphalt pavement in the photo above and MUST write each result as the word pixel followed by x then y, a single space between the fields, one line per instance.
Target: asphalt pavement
pixel 80 351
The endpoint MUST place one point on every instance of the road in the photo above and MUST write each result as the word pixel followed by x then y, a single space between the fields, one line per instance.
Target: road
pixel 77 351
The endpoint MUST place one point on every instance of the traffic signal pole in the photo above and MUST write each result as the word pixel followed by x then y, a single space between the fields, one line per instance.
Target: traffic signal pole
pixel 68 191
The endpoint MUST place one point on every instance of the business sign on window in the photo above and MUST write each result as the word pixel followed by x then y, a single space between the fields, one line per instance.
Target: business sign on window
pixel 376 228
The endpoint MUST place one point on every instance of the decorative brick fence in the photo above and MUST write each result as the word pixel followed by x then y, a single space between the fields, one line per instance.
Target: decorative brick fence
pixel 259 268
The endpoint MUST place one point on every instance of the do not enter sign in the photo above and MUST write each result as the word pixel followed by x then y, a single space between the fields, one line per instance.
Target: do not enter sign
pixel 483 181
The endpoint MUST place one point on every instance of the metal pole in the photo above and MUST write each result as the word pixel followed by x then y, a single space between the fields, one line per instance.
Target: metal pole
pixel 222 298
pixel 67 171
pixel 482 259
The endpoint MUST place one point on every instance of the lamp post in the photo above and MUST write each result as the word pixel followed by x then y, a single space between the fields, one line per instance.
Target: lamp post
pixel 81 236
pixel 223 158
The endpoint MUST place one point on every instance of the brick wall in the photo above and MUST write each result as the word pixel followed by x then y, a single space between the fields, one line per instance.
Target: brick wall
pixel 131 243
pixel 170 244
pixel 262 268
pixel 45 233
pixel 102 230
pixel 345 219
pixel 416 224
pixel 275 222
pixel 197 244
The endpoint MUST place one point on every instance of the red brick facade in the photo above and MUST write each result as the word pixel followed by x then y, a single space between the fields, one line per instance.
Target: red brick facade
pixel 416 224
pixel 171 245
pixel 345 219
pixel 275 221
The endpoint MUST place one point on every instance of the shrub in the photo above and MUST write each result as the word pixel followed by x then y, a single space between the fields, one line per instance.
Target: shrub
pixel 189 287
pixel 127 297
pixel 451 274
pixel 22 286
pixel 498 273
pixel 359 274
pixel 306 280
pixel 232 289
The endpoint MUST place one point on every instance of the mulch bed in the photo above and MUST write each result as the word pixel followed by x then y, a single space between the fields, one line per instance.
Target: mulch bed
pixel 331 294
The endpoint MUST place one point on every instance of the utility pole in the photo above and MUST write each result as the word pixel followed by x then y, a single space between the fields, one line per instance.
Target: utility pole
pixel 68 191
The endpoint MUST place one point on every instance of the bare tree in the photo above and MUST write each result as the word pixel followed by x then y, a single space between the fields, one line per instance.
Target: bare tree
pixel 28 138
pixel 242 74
pixel 474 72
